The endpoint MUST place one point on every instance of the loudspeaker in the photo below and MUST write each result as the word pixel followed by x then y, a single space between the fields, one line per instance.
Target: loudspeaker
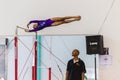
pixel 94 44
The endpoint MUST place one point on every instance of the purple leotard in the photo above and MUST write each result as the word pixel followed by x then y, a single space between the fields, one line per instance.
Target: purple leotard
pixel 42 24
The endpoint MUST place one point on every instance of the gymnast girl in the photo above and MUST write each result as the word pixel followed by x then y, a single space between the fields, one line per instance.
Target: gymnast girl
pixel 55 21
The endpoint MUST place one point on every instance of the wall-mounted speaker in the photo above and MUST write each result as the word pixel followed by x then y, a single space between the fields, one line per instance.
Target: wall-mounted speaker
pixel 94 44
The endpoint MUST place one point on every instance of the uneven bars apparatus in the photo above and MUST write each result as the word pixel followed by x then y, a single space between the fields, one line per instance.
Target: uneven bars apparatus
pixel 34 66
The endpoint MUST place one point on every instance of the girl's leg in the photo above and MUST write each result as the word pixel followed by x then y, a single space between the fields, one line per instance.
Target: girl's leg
pixel 66 17
pixel 57 23
pixel 72 17
pixel 57 19
pixel 68 20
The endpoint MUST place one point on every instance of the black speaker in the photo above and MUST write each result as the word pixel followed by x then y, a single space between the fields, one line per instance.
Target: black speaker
pixel 94 44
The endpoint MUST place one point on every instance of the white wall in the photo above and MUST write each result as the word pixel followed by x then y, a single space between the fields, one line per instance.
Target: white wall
pixel 20 12
pixel 111 33
pixel 14 12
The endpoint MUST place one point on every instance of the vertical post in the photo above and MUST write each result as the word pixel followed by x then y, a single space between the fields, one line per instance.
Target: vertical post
pixel 16 57
pixel 35 57
pixel 49 78
pixel 95 68
pixel 34 67
pixel 39 58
